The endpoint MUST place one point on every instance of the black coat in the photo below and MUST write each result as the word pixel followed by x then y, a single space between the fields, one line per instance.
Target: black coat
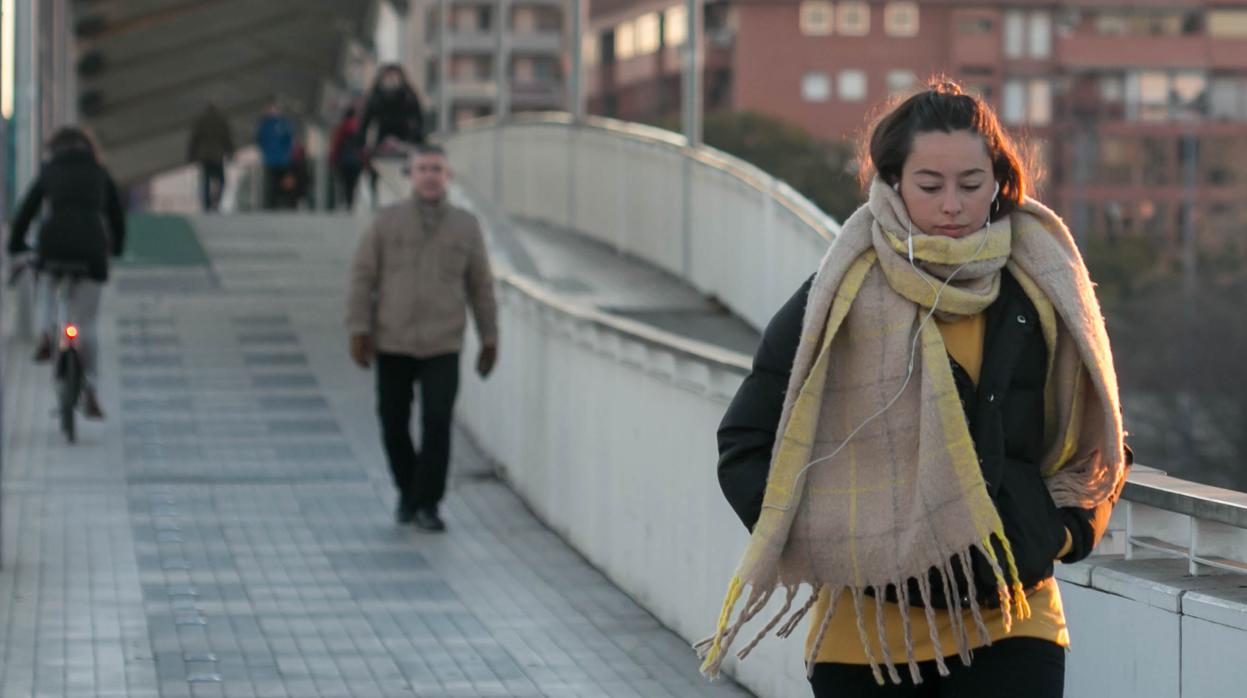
pixel 85 220
pixel 1005 414
pixel 398 114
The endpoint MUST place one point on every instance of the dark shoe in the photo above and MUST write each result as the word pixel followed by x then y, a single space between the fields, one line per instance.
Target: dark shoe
pixel 428 520
pixel 43 352
pixel 91 405
pixel 405 513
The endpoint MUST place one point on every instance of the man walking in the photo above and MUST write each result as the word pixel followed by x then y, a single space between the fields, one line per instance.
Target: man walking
pixel 210 144
pixel 416 269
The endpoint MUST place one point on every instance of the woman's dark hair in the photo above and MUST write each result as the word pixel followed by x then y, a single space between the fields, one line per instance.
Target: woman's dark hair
pixel 945 107
pixel 387 69
pixel 69 138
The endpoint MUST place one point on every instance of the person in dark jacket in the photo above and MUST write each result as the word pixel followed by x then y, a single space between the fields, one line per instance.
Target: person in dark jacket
pixel 211 144
pixel 394 108
pixel 924 385
pixel 274 136
pixel 84 225
pixel 346 155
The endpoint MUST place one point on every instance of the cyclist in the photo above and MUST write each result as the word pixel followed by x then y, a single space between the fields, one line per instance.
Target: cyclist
pixel 85 222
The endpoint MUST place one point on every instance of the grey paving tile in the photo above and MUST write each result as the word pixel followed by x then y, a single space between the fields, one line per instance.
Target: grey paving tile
pixel 229 531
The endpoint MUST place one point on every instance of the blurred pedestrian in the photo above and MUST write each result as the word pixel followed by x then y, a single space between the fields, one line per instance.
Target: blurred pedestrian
pixel 417 267
pixel 394 107
pixel 346 155
pixel 275 138
pixel 211 144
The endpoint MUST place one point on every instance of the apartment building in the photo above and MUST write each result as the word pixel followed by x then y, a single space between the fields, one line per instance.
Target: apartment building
pixel 1135 111
pixel 522 41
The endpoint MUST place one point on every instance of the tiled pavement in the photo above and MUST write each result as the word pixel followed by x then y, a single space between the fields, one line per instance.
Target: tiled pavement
pixel 228 532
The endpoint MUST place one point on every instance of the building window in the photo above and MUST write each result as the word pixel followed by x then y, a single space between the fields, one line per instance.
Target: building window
pixel 1145 23
pixel 816 87
pixel 1015 34
pixel 625 41
pixel 524 70
pixel 525 20
pixel 589 50
pixel 853 19
pixel 816 17
pixel 852 85
pixel 675 25
pixel 1040 34
pixel 1227 24
pixel 1227 99
pixel 1013 102
pixel 900 19
pixel 974 25
pixel 647 36
pixel 901 81
pixel 1039 103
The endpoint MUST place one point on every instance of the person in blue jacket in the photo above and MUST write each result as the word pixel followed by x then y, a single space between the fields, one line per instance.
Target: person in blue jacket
pixel 275 138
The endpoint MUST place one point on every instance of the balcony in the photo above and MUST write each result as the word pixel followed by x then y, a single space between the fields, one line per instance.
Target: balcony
pixel 544 42
pixel 1085 51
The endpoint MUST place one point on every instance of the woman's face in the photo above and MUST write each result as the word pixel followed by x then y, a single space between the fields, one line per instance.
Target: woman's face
pixel 947 183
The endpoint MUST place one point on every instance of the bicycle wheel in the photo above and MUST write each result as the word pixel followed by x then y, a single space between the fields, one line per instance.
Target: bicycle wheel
pixel 69 389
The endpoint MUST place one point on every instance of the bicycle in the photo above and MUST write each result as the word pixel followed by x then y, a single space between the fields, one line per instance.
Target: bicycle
pixel 68 373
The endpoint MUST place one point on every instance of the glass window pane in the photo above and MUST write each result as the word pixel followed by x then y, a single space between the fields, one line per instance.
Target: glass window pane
pixel 675 26
pixel 852 85
pixel 1040 34
pixel 816 17
pixel 900 19
pixel 816 87
pixel 625 41
pixel 1227 24
pixel 1039 106
pixel 1014 33
pixel 901 81
pixel 1013 102
pixel 853 18
pixel 646 34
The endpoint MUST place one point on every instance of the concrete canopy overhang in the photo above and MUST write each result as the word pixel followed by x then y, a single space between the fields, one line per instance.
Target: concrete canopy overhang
pixel 148 67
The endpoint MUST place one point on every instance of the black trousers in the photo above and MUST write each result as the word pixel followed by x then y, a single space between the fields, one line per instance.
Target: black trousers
pixel 1021 667
pixel 348 179
pixel 212 183
pixel 274 195
pixel 419 477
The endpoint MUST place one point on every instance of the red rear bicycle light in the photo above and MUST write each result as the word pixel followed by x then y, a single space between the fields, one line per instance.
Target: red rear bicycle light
pixel 71 331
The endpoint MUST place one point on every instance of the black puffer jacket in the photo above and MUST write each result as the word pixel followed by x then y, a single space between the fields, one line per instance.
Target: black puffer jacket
pixel 396 113
pixel 1005 413
pixel 85 221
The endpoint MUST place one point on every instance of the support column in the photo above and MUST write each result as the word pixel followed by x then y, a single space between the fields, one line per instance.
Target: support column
pixel 576 74
pixel 502 60
pixel 694 58
pixel 443 66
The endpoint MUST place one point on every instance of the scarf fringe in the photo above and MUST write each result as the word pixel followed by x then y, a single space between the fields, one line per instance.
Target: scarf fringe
pixel 1013 605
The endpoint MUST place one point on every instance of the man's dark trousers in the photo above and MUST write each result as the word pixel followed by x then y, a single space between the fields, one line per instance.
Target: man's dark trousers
pixel 212 183
pixel 420 478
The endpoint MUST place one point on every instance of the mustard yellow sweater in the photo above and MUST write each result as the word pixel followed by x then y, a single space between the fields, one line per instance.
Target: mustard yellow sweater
pixel 843 645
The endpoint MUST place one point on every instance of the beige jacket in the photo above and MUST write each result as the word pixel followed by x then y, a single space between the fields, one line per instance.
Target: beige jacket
pixel 416 269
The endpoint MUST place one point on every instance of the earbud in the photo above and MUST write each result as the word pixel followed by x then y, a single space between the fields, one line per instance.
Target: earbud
pixel 996 190
pixel 896 187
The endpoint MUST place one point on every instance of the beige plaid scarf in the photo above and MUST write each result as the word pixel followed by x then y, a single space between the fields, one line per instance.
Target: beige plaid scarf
pixel 905 494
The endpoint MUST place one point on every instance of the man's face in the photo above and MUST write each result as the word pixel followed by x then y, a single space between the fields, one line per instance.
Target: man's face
pixel 430 173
